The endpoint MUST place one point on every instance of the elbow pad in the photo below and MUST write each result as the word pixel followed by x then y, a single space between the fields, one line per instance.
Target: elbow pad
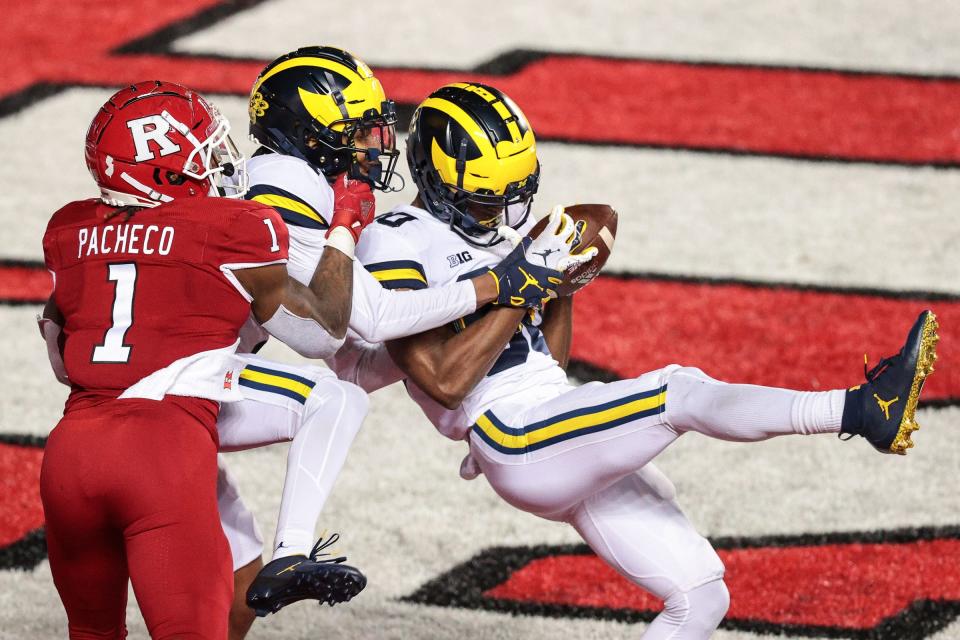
pixel 303 335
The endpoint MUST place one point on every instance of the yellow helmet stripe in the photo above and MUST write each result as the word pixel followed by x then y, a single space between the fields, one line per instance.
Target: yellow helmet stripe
pixel 496 167
pixel 308 61
pixel 498 105
pixel 475 131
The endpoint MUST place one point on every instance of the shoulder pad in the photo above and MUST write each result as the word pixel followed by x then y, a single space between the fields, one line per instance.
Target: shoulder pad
pixel 299 194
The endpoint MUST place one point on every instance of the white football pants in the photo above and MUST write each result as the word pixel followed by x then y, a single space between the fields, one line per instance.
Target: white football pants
pixel 306 405
pixel 584 456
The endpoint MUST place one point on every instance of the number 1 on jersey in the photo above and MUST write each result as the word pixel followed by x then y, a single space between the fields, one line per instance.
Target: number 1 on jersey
pixel 113 350
pixel 273 235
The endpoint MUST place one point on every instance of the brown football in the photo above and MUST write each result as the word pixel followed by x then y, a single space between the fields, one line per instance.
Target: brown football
pixel 597 224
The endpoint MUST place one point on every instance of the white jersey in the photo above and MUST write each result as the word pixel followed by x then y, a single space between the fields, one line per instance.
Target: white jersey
pixel 408 247
pixel 304 200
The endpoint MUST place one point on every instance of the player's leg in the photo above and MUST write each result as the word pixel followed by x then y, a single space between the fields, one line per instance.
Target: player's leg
pixel 563 450
pixel 744 412
pixel 584 440
pixel 246 548
pixel 241 615
pixel 314 410
pixel 177 554
pixel 332 417
pixel 549 457
pixel 882 409
pixel 636 526
pixel 84 548
pixel 321 415
pixel 605 431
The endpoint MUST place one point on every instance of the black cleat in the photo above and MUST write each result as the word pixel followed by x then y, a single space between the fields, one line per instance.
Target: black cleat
pixel 883 410
pixel 294 578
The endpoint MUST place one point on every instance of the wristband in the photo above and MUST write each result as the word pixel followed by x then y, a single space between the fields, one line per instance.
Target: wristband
pixel 342 240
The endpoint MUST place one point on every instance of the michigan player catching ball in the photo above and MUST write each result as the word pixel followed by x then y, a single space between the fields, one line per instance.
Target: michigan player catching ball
pixel 496 379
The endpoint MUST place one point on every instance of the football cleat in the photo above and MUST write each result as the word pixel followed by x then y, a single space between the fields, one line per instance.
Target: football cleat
pixel 294 578
pixel 883 409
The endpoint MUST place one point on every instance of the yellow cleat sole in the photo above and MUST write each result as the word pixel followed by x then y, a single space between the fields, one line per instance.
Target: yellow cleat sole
pixel 928 355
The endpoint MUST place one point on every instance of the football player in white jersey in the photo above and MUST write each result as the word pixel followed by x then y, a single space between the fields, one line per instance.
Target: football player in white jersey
pixel 581 455
pixel 327 136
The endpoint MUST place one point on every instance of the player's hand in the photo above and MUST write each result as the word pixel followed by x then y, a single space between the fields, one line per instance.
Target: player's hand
pixel 556 246
pixel 521 283
pixel 353 205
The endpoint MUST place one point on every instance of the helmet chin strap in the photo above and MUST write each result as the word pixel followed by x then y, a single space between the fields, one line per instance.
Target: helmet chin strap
pixel 153 197
pixel 374 174
pixel 284 146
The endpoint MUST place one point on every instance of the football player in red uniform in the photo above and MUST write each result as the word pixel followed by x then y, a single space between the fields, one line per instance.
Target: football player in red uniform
pixel 152 282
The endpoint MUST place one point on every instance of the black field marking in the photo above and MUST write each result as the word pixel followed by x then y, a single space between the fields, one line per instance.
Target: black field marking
pixel 464 586
pixel 896 294
pixel 505 64
pixel 23 440
pixel 162 40
pixel 26 553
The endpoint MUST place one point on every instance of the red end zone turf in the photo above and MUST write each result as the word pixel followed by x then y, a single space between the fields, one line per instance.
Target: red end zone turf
pixel 846 586
pixel 723 107
pixel 20 510
pixel 804 340
pixel 24 284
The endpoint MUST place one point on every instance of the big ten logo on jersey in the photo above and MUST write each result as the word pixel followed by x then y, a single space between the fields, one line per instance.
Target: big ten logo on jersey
pixel 458 259
pixel 152 128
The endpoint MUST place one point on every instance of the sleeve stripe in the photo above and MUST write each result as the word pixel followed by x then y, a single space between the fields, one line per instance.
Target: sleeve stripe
pixel 398 274
pixel 285 205
pixel 291 207
pixel 397 265
pixel 403 284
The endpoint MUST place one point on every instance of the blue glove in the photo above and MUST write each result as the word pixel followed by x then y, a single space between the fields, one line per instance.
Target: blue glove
pixel 521 283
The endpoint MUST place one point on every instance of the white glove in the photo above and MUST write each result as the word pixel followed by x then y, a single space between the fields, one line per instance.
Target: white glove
pixel 554 246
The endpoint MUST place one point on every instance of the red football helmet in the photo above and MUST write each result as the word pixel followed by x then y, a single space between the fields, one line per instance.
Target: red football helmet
pixel 156 141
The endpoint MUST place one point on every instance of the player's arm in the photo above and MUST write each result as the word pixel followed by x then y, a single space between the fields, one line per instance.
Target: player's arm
pixel 448 365
pixel 312 319
pixel 557 328
pixel 51 328
pixel 381 314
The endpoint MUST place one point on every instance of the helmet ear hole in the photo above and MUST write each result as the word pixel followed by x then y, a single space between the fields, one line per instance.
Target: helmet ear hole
pixel 174 178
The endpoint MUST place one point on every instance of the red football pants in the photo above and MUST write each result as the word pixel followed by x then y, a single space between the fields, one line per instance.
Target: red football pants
pixel 129 492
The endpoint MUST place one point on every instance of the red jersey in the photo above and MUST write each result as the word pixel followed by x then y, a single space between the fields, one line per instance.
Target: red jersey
pixel 139 293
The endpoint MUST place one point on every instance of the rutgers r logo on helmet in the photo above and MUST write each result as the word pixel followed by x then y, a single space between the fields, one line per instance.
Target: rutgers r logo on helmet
pixel 151 128
pixel 153 142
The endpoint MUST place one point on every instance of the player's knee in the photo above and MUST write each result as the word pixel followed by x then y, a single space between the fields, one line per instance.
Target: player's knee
pixel 716 601
pixel 698 611
pixel 356 399
pixel 341 402
pixel 687 402
pixel 686 375
pixel 355 404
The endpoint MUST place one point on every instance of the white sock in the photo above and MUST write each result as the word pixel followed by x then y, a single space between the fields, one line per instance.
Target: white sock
pixel 332 416
pixel 746 412
pixel 817 411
